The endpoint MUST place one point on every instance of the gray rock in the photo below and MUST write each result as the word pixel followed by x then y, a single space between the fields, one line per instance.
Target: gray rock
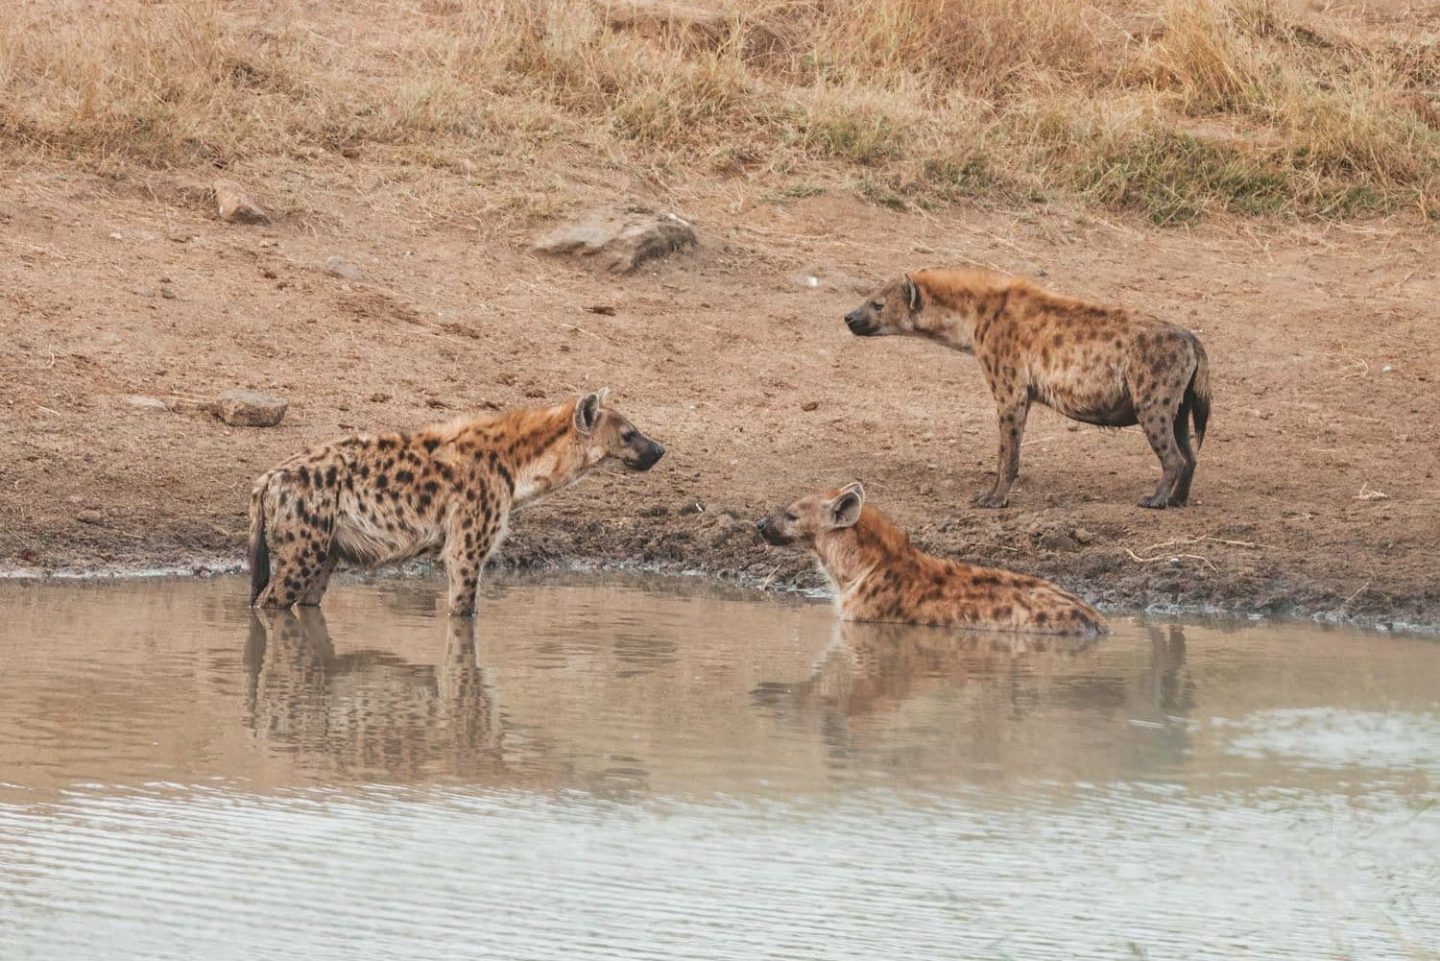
pixel 337 266
pixel 621 238
pixel 90 517
pixel 250 408
pixel 145 403
pixel 236 206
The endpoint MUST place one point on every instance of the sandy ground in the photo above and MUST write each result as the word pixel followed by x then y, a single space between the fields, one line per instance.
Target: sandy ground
pixel 1316 491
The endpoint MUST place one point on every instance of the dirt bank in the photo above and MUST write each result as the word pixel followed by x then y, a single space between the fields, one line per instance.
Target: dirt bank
pixel 1316 490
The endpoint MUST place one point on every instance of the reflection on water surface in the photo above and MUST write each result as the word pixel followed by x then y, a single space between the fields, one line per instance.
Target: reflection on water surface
pixel 602 768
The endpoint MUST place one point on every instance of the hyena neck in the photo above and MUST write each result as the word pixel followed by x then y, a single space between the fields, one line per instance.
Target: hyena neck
pixel 549 473
pixel 952 326
pixel 537 450
pixel 850 555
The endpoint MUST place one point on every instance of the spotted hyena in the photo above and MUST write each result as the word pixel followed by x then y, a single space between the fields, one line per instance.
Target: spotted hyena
pixel 878 575
pixel 449 488
pixel 1095 364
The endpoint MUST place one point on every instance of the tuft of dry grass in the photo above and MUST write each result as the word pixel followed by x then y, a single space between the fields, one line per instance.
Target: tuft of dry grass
pixel 1174 110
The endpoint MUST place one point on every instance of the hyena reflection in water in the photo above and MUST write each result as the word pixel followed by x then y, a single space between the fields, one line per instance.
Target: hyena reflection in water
pixel 367 710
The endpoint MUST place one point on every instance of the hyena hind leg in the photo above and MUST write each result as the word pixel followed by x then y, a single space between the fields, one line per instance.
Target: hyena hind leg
pixel 1180 494
pixel 319 581
pixel 300 566
pixel 1159 427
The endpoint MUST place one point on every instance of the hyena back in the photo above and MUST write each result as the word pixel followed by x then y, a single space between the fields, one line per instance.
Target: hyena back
pixel 447 488
pixel 1095 364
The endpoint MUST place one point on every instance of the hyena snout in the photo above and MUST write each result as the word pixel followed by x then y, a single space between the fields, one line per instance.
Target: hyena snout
pixel 860 322
pixel 771 528
pixel 643 453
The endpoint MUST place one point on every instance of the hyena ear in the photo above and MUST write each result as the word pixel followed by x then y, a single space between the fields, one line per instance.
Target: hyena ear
pixel 911 291
pixel 587 411
pixel 845 509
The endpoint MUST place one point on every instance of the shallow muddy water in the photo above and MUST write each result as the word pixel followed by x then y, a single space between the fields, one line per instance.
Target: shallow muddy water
pixel 619 769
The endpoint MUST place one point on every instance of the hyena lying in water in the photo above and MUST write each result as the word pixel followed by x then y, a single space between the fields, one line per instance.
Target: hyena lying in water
pixel 448 488
pixel 1099 365
pixel 878 575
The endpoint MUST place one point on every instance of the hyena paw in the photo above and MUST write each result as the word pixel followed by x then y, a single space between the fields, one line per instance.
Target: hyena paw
pixel 1155 502
pixel 990 498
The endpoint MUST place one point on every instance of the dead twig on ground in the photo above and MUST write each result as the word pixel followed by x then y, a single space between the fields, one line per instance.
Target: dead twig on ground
pixel 585 332
pixel 1171 557
pixel 1358 591
pixel 50 349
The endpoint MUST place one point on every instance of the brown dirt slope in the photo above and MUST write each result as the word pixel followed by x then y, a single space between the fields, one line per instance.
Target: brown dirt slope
pixel 1316 490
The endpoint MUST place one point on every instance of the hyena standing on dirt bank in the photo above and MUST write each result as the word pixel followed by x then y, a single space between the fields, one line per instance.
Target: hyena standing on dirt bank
pixel 1100 365
pixel 447 488
pixel 878 575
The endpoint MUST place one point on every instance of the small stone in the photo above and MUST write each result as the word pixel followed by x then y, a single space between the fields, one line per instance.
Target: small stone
pixel 167 292
pixel 250 408
pixel 810 405
pixel 90 517
pixel 338 266
pixel 235 206
pixel 379 398
pixel 621 238
pixel 1082 535
pixel 145 403
pixel 143 291
pixel 1056 539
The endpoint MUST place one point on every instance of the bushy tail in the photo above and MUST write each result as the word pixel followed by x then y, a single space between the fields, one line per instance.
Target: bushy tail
pixel 1197 395
pixel 259 550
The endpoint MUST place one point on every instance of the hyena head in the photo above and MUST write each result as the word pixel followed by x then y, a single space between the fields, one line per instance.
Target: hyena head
pixel 605 432
pixel 813 516
pixel 892 309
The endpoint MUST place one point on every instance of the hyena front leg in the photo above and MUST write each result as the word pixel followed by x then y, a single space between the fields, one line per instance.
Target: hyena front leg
pixel 468 543
pixel 1012 410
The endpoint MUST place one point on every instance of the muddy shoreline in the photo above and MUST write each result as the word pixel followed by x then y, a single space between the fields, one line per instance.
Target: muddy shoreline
pixel 722 547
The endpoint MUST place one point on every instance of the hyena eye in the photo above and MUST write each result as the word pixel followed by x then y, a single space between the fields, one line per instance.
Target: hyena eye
pixel 877 304
pixel 790 516
pixel 627 435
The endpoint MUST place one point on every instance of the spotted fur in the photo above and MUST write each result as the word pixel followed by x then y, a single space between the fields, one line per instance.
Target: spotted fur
pixel 878 575
pixel 449 488
pixel 1095 364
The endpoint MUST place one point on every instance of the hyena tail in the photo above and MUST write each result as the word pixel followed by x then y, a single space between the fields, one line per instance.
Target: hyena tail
pixel 259 549
pixel 1197 394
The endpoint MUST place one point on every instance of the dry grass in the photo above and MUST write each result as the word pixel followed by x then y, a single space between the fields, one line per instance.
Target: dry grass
pixel 1184 108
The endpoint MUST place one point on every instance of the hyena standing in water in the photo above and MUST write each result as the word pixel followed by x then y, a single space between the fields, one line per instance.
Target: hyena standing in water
pixel 447 488
pixel 1095 364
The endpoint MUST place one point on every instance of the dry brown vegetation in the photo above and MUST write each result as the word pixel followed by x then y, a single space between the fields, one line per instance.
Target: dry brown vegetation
pixel 1174 108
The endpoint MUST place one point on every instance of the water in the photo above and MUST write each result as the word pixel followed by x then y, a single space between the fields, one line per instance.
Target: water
pixel 615 769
